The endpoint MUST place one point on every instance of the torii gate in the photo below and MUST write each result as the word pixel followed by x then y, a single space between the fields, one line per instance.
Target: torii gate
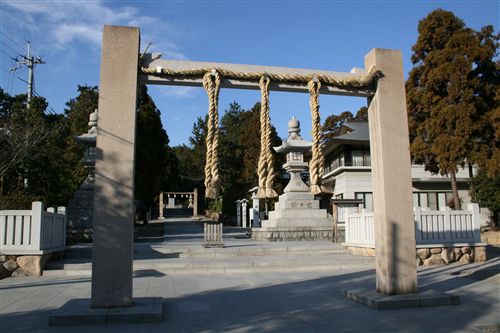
pixel 120 75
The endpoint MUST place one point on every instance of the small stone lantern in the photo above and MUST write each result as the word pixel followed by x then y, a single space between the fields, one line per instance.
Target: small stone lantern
pixel 294 148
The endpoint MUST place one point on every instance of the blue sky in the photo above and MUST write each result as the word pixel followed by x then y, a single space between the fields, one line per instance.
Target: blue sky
pixel 329 35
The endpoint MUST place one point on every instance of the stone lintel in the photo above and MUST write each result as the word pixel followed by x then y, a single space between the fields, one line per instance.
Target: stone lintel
pixel 152 61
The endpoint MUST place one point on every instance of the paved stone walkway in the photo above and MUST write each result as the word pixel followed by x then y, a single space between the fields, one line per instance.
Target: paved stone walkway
pixel 306 301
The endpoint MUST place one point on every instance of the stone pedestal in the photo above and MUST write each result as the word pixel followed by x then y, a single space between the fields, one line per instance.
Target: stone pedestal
pixel 296 217
pixel 80 216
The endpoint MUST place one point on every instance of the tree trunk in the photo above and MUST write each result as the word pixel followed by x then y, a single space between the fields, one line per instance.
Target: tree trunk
pixel 454 190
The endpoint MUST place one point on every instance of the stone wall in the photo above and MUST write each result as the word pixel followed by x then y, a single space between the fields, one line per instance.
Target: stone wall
pixel 21 265
pixel 436 255
pixel 447 255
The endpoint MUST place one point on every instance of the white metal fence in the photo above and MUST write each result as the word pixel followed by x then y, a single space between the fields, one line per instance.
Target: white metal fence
pixel 32 231
pixel 437 227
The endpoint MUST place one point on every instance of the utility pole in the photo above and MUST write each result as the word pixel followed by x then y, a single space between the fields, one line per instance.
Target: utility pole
pixel 30 62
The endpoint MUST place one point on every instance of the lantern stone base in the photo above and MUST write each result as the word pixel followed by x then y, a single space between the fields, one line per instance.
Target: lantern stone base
pixel 297 217
pixel 292 234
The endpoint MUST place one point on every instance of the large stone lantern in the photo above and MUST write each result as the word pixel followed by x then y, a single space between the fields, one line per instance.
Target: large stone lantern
pixel 296 215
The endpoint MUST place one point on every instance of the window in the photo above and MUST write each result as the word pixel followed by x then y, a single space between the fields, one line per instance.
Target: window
pixel 366 158
pixel 334 162
pixel 431 200
pixel 367 198
pixel 361 157
pixel 357 158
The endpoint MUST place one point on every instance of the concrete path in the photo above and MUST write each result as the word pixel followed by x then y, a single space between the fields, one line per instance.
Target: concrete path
pixel 305 301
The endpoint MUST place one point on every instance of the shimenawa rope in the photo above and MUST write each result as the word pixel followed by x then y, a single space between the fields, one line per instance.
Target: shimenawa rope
pixel 329 80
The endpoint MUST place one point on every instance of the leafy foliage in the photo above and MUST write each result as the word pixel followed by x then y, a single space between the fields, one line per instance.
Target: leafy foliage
pixel 32 154
pixel 486 191
pixel 40 160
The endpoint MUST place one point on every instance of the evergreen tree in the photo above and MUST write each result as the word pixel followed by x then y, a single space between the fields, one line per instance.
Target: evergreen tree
pixel 239 153
pixel 77 114
pixel 156 164
pixel 239 149
pixel 486 191
pixel 442 91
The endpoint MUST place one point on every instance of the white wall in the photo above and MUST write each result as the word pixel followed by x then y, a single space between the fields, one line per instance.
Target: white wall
pixel 418 171
pixel 350 182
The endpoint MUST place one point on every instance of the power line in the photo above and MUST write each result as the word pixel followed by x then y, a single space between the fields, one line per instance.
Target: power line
pixel 14 75
pixel 8 55
pixel 15 52
pixel 50 109
pixel 10 38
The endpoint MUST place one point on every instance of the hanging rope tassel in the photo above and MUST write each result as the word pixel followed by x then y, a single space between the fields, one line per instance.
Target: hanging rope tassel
pixel 264 86
pixel 211 83
pixel 317 159
pixel 262 165
pixel 265 166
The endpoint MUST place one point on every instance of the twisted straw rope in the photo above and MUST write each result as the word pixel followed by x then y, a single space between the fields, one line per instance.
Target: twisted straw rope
pixel 262 165
pixel 317 159
pixel 265 166
pixel 350 82
pixel 212 83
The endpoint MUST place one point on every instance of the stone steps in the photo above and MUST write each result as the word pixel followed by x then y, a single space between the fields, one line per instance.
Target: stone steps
pixel 237 256
pixel 158 251
pixel 82 267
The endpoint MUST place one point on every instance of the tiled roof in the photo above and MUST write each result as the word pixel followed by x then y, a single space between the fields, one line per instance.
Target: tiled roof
pixel 356 131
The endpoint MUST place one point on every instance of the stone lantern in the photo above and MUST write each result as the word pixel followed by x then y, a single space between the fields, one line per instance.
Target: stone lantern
pixel 80 210
pixel 296 215
pixel 89 141
pixel 294 148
